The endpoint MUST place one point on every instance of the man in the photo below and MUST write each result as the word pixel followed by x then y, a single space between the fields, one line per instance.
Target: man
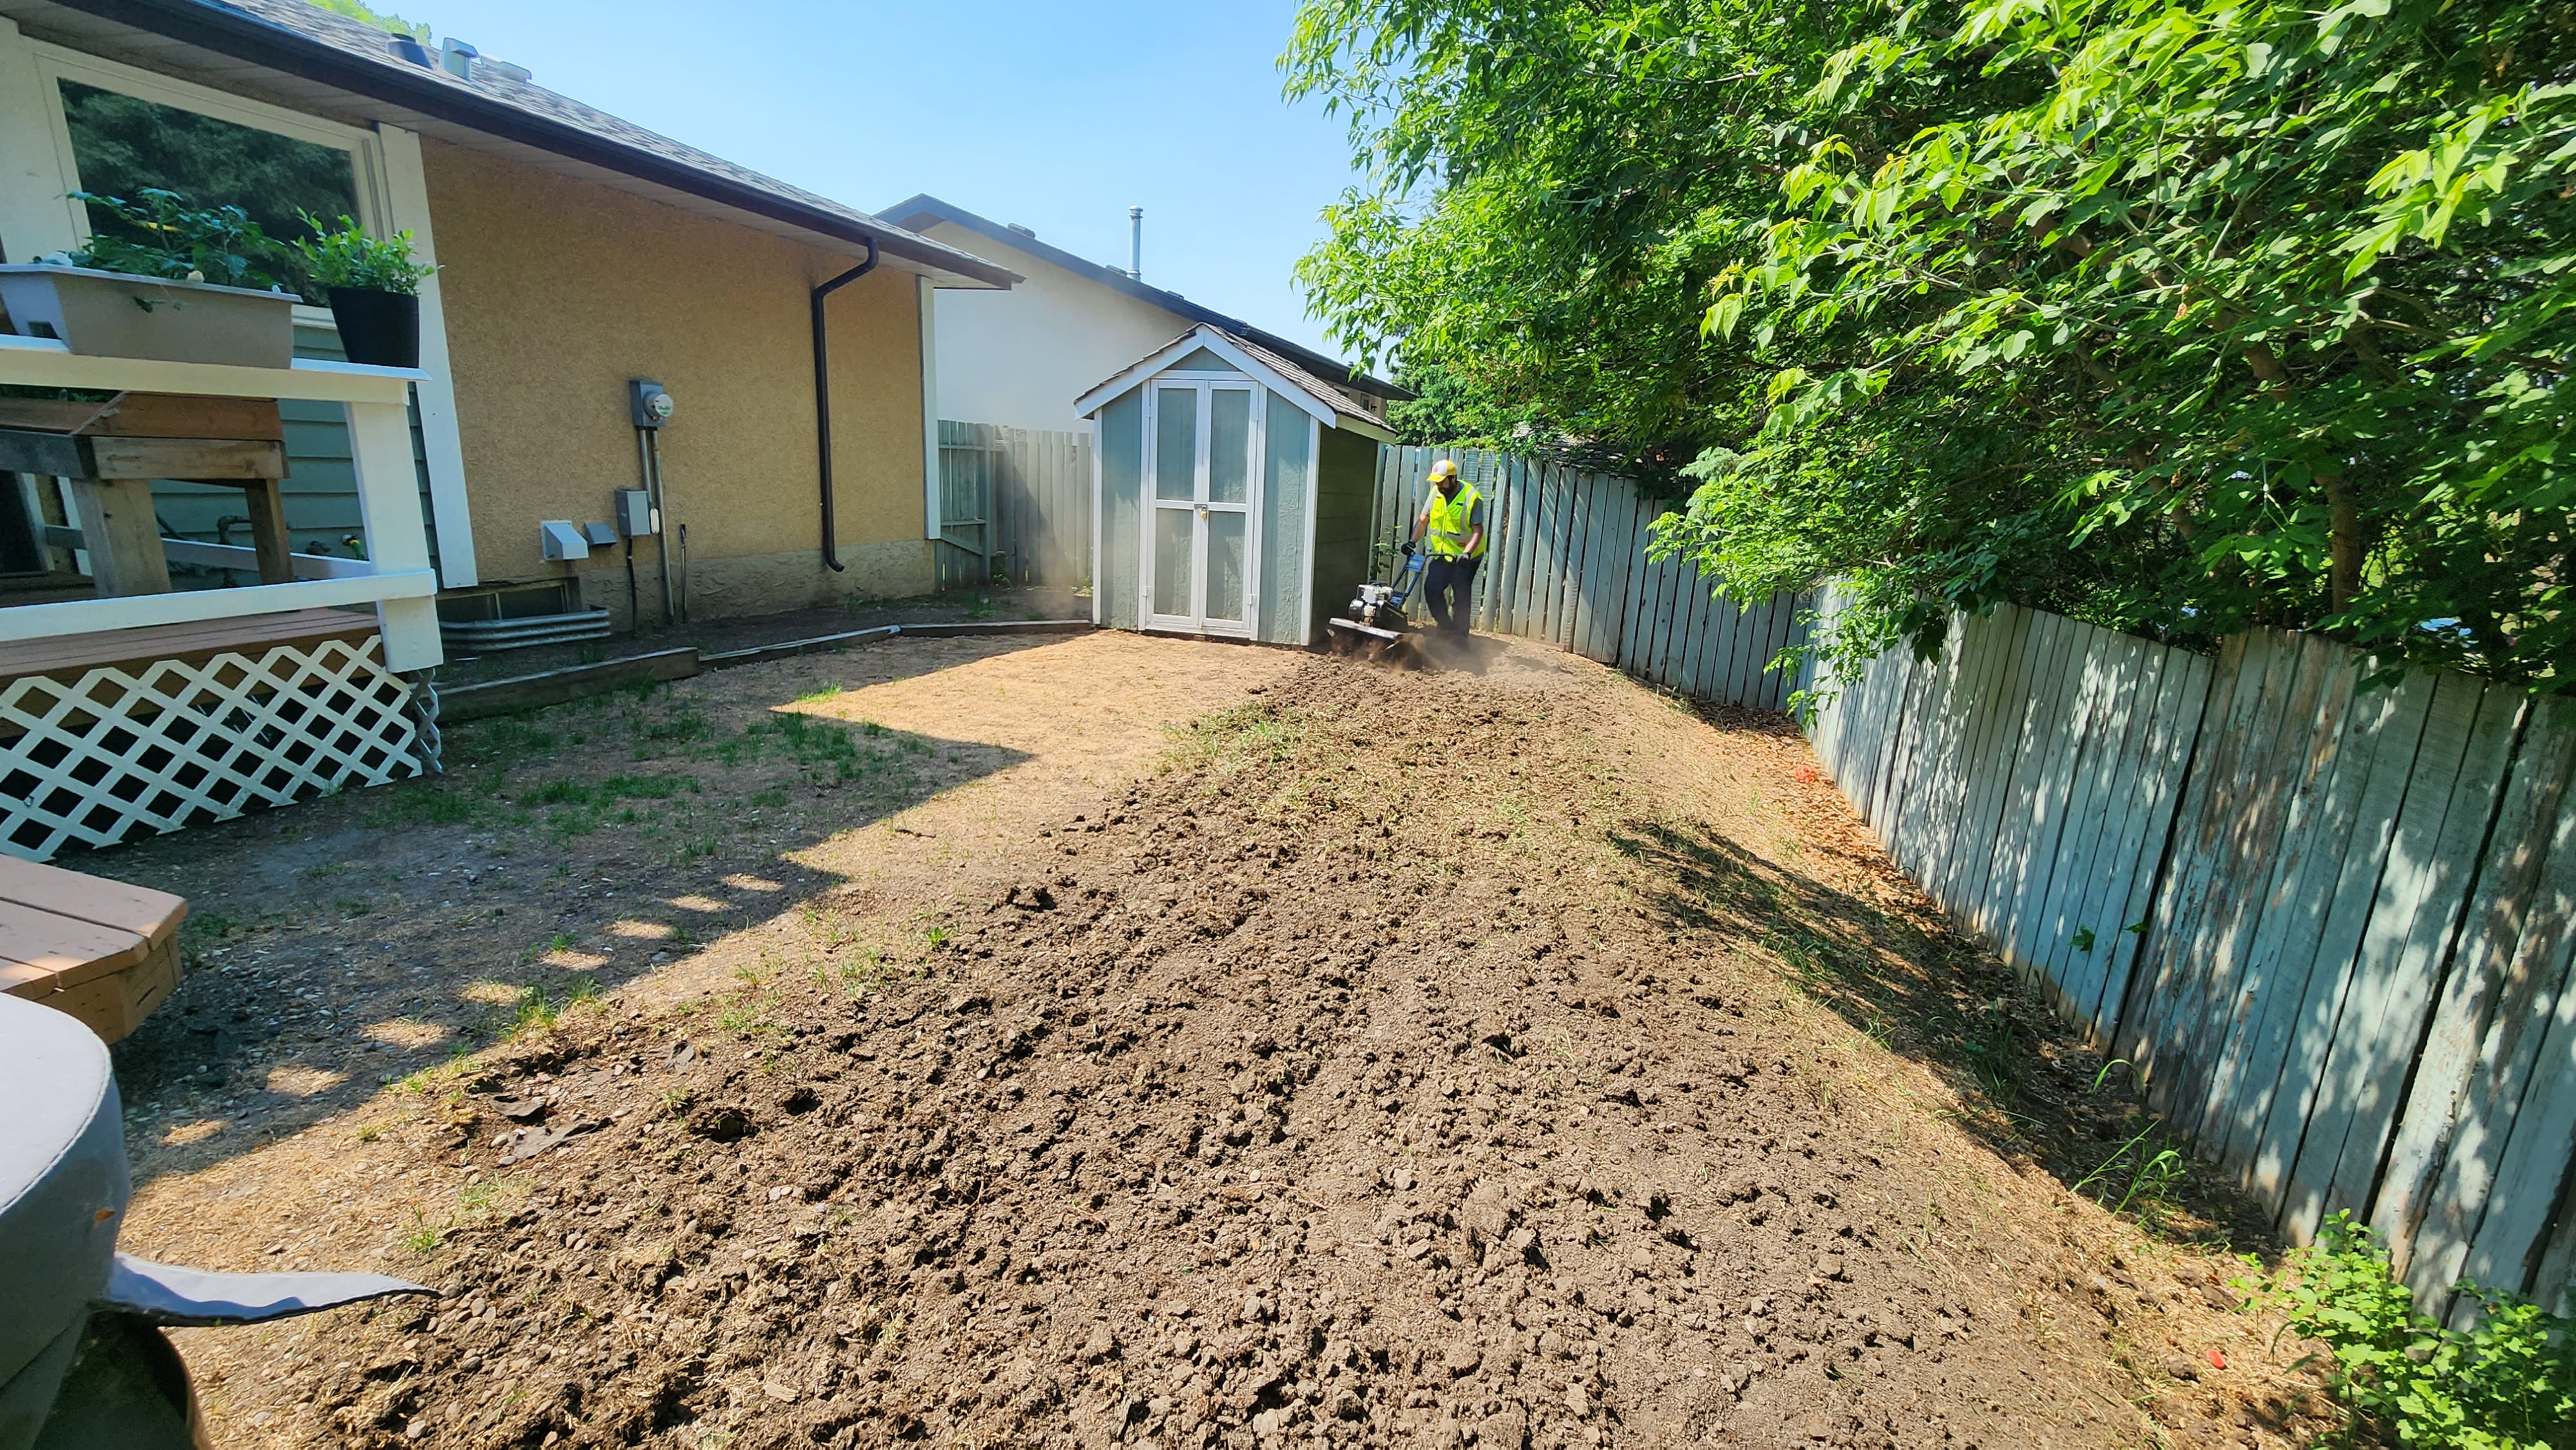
pixel 1451 528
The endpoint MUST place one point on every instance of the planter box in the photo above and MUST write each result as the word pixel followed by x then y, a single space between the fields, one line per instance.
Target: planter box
pixel 114 314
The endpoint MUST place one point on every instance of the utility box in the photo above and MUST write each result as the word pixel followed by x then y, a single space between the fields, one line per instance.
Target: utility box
pixel 635 514
pixel 563 541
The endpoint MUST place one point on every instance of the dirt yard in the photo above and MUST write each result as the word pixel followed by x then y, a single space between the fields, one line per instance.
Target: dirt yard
pixel 1119 1040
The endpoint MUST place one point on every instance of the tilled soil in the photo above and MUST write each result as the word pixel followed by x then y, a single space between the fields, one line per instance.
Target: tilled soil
pixel 1411 1062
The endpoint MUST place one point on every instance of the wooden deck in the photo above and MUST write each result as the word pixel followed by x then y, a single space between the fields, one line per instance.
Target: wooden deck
pixel 68 657
pixel 103 951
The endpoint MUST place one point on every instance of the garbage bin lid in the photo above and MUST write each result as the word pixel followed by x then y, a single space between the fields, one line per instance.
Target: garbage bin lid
pixel 63 1179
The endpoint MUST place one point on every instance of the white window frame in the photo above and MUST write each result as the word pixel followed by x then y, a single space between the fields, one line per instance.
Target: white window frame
pixel 56 64
pixel 391 196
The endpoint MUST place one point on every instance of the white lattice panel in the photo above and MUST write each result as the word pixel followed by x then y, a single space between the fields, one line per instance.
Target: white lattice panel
pixel 118 755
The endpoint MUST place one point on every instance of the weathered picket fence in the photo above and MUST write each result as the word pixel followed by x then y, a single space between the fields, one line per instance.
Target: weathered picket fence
pixel 2328 921
pixel 1566 563
pixel 1015 505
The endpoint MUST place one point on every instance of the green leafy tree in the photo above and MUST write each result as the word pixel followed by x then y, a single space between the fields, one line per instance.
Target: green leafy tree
pixel 2176 317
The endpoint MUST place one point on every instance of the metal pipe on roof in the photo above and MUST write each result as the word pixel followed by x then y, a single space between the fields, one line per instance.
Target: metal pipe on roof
pixel 1136 243
pixel 823 397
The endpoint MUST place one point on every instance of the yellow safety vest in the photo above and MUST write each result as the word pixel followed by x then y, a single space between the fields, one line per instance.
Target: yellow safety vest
pixel 1451 520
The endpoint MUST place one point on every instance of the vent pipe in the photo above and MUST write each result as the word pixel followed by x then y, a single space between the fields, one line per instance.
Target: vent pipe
pixel 1136 242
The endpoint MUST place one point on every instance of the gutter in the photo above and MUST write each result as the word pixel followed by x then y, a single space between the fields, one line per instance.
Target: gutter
pixel 248 38
pixel 823 395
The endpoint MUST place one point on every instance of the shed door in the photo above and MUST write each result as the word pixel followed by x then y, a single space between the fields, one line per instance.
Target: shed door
pixel 1198 550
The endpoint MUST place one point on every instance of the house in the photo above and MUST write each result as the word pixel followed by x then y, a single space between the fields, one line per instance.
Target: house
pixel 577 253
pixel 1019 359
pixel 585 264
pixel 1233 494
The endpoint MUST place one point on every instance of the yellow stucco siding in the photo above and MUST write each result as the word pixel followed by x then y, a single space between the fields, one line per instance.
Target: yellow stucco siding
pixel 558 291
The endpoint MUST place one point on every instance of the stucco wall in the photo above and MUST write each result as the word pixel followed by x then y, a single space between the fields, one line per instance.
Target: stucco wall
pixel 558 291
pixel 1021 357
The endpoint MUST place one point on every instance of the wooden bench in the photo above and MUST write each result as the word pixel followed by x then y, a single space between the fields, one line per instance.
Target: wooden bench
pixel 103 951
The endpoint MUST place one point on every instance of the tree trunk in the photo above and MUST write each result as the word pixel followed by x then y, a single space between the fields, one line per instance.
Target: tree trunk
pixel 2343 542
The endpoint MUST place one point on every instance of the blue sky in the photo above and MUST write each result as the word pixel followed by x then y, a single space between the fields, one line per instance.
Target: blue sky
pixel 1057 116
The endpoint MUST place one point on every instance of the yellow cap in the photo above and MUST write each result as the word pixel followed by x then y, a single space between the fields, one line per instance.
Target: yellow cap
pixel 1443 469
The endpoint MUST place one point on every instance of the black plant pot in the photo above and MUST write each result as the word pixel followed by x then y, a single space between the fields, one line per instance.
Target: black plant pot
pixel 379 329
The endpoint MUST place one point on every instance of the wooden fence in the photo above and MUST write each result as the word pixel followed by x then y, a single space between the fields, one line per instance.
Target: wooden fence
pixel 1565 562
pixel 2328 922
pixel 1015 505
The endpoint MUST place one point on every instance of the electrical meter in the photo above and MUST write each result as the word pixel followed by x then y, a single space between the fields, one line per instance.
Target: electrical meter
pixel 649 402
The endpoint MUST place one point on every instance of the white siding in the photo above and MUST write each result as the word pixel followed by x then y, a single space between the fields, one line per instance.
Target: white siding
pixel 1020 358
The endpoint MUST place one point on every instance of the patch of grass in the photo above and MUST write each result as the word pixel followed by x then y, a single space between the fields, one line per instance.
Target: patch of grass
pixel 424 1237
pixel 747 1015
pixel 1234 739
pixel 510 735
pixel 352 907
pixel 201 930
pixel 820 692
pixel 558 792
pixel 537 1010
pixel 416 803
pixel 678 726
pixel 646 787
pixel 823 747
pixel 2146 1168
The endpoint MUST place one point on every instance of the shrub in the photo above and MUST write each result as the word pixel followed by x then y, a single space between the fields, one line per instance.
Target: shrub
pixel 2506 1383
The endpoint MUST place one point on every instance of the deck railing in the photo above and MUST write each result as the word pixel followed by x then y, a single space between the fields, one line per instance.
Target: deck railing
pixel 396 576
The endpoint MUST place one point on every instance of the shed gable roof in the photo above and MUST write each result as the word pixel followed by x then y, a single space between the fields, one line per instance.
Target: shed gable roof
pixel 1319 399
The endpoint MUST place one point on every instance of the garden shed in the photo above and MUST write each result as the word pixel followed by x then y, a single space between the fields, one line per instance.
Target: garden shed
pixel 1234 492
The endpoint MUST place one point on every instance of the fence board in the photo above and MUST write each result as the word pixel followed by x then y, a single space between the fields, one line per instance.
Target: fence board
pixel 2502 978
pixel 2105 700
pixel 2395 728
pixel 2146 786
pixel 2018 903
pixel 2283 766
pixel 1986 771
pixel 2284 949
pixel 2431 890
pixel 2023 808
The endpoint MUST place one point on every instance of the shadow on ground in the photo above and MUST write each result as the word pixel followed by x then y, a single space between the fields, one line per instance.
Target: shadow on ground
pixel 2029 1083
pixel 350 943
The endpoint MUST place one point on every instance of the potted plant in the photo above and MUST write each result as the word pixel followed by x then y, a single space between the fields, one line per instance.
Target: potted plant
pixel 373 284
pixel 190 287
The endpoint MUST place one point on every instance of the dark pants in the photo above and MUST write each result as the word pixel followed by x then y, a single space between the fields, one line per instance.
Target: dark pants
pixel 1449 588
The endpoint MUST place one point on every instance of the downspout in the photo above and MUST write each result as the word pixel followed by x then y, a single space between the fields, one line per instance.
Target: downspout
pixel 823 397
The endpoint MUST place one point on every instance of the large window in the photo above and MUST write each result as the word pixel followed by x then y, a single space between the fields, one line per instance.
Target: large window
pixel 124 144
